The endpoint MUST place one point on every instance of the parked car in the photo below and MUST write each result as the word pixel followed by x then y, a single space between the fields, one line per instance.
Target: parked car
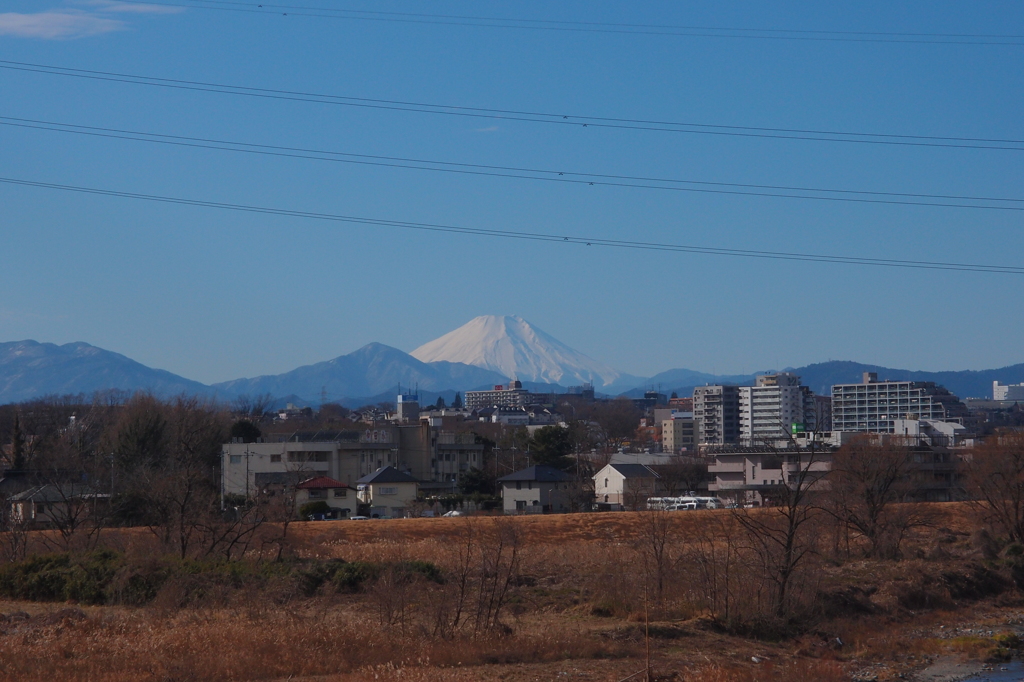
pixel 453 512
pixel 359 518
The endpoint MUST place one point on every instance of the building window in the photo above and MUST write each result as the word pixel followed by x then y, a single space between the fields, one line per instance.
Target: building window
pixel 340 492
pixel 236 459
pixel 318 494
pixel 387 491
pixel 275 458
pixel 519 485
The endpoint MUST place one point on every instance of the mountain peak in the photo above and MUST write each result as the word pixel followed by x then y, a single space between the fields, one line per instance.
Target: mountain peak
pixel 510 345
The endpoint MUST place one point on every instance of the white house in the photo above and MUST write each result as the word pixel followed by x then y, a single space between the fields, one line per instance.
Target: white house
pixel 624 486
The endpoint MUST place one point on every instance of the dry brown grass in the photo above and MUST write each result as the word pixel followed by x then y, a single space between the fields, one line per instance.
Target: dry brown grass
pixel 116 645
pixel 572 567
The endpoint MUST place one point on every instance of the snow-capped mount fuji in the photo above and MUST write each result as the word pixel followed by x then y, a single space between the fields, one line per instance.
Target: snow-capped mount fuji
pixel 513 347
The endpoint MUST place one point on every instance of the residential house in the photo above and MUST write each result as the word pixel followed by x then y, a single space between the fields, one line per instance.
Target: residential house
pixel 49 506
pixel 539 489
pixel 624 486
pixel 387 492
pixel 341 498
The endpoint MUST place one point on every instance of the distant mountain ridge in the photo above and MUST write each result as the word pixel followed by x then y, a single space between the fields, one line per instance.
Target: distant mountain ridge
pixel 29 369
pixel 373 373
pixel 368 371
pixel 820 377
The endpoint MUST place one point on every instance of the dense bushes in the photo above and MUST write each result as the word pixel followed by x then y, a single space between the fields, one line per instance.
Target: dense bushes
pixel 107 577
pixel 61 577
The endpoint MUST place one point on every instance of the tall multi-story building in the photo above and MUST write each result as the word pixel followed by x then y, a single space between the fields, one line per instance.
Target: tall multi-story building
pixel 513 395
pixel 678 432
pixel 716 414
pixel 775 407
pixel 874 405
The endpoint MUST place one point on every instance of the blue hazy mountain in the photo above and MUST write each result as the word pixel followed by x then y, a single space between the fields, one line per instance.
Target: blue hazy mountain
pixel 374 372
pixel 820 377
pixel 370 371
pixel 29 369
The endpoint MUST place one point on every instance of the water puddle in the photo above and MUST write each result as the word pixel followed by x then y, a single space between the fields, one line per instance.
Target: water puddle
pixel 1008 672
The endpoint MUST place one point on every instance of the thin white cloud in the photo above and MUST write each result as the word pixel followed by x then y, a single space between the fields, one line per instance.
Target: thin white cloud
pixel 130 7
pixel 56 24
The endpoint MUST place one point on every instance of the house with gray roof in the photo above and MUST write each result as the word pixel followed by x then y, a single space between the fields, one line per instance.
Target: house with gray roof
pixel 388 492
pixel 624 486
pixel 539 489
pixel 48 506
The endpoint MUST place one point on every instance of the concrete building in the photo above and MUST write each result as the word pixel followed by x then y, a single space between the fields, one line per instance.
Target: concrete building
pixel 1007 391
pixel 750 475
pixel 538 489
pixel 428 454
pixel 407 409
pixel 716 413
pixel 512 395
pixel 933 433
pixel 454 455
pixel 678 433
pixel 388 492
pixel 776 406
pixel 873 406
pixel 625 486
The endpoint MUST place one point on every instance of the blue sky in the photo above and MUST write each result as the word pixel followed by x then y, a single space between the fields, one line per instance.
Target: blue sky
pixel 217 295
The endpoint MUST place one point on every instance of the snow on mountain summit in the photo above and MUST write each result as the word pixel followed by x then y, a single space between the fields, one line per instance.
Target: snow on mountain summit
pixel 512 346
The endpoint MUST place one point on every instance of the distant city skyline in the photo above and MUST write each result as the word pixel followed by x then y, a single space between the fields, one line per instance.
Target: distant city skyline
pixel 214 295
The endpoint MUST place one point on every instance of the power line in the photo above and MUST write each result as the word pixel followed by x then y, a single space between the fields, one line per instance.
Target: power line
pixel 573 120
pixel 530 236
pixel 514 172
pixel 596 26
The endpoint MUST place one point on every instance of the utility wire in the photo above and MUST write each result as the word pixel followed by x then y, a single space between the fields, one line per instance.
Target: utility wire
pixel 574 120
pixel 595 26
pixel 530 236
pixel 565 176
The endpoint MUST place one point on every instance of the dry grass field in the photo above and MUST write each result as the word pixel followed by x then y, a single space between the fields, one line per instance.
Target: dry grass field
pixel 574 593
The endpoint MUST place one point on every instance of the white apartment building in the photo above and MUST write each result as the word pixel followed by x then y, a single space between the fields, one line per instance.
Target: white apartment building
pixel 512 395
pixel 716 414
pixel 1007 391
pixel 770 410
pixel 873 406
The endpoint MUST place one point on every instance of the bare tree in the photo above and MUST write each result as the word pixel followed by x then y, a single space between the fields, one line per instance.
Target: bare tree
pixel 652 547
pixel 715 553
pixel 994 478
pixel 499 571
pixel 867 482
pixel 182 488
pixel 682 474
pixel 253 408
pixel 780 535
pixel 449 609
pixel 618 420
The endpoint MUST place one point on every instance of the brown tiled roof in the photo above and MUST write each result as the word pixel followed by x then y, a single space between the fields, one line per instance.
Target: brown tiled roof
pixel 321 482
